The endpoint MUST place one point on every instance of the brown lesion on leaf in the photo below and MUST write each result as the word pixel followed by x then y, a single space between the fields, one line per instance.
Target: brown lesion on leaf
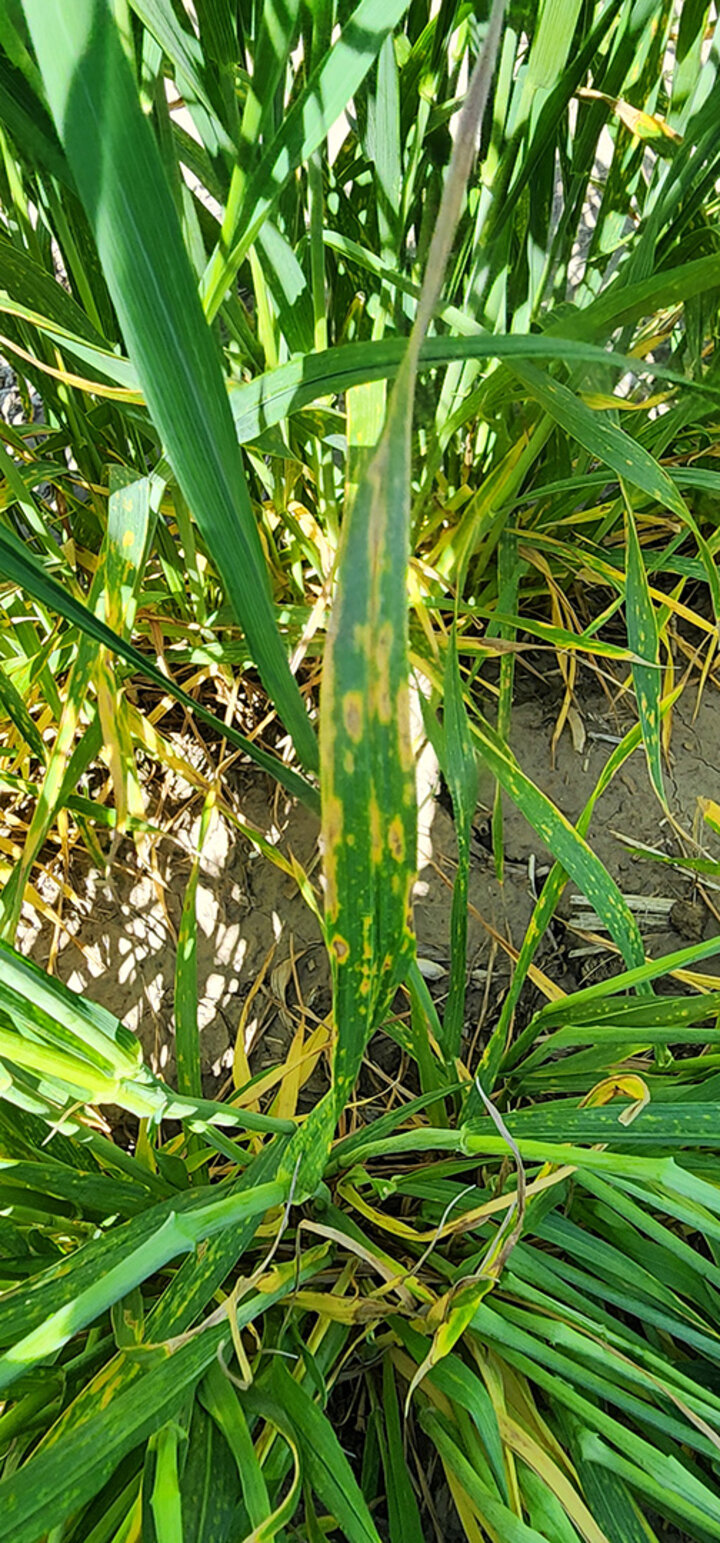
pixel 353 715
pixel 366 965
pixel 396 839
pixel 409 918
pixel 340 948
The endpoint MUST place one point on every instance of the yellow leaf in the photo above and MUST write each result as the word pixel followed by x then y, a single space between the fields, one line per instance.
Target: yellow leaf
pixel 598 400
pixel 525 1447
pixel 626 1086
pixel 457 1309
pixel 241 1071
pixel 648 127
pixel 711 813
pixel 285 1104
pixel 97 387
pixel 464 1507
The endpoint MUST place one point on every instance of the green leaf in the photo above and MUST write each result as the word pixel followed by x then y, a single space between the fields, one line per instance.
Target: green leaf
pixel 220 1399
pixel 25 281
pixel 691 1496
pixel 194 73
pixel 50 1010
pixel 209 1482
pixel 113 597
pixel 136 1394
pixel 664 1126
pixel 118 170
pixel 403 1515
pixel 643 640
pixel 612 1504
pixel 162 1507
pixel 584 1004
pixel 269 398
pixel 565 843
pixel 14 705
pixel 62 1477
pixel 544 1509
pixel 176 1230
pixel 668 1485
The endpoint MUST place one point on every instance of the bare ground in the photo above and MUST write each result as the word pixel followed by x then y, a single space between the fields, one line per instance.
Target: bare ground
pixel 119 939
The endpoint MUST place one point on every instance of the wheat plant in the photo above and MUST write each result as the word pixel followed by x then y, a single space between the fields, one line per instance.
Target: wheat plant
pixel 374 343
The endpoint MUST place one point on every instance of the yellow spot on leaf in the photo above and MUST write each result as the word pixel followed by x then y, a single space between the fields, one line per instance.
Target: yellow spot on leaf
pixel 376 844
pixel 349 762
pixel 128 538
pixel 332 820
pixel 332 836
pixel 403 723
